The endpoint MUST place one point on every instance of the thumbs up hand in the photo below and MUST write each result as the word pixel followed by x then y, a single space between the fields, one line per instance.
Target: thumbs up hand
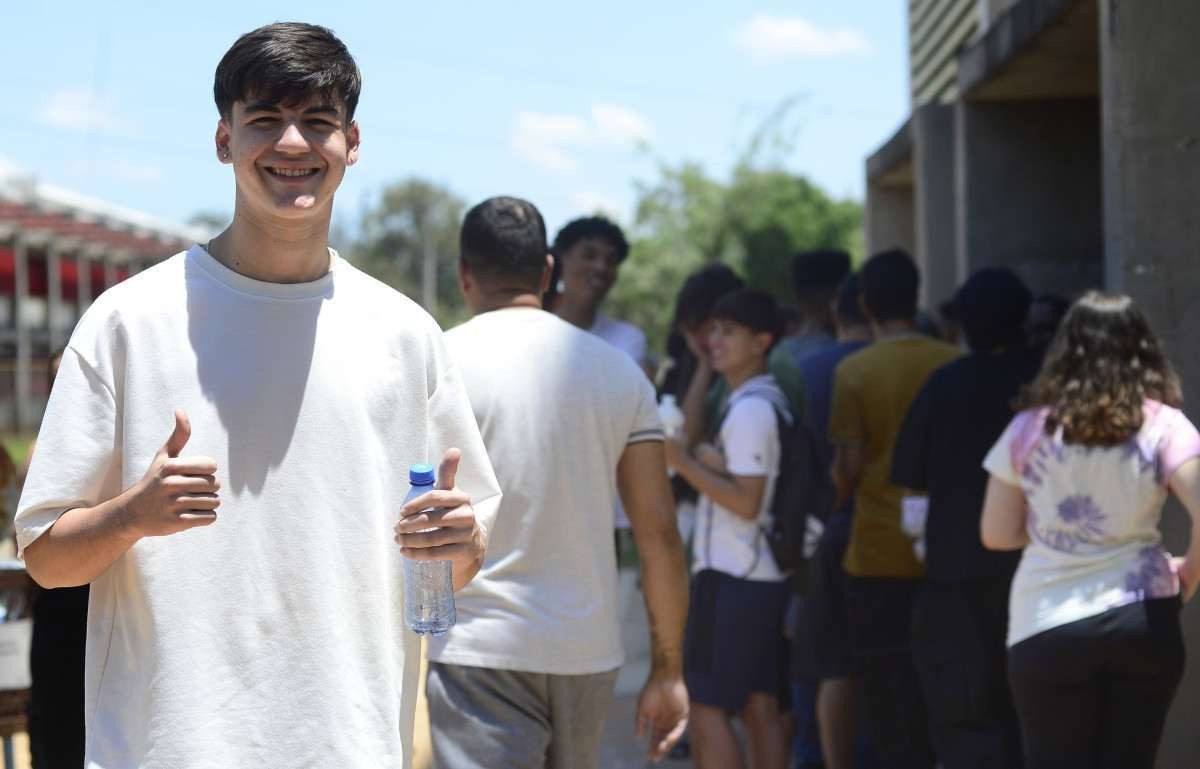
pixel 440 525
pixel 176 493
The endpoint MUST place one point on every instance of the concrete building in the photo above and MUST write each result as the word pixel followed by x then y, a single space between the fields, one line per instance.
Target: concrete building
pixel 58 252
pixel 1060 138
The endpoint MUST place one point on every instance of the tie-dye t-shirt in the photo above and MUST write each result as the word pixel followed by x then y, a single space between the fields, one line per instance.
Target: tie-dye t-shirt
pixel 1092 518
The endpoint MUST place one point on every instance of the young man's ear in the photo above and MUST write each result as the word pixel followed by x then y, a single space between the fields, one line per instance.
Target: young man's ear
pixel 547 273
pixel 224 153
pixel 464 278
pixel 353 140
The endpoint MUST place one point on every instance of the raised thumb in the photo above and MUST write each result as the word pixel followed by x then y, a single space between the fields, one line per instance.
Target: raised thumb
pixel 179 437
pixel 448 469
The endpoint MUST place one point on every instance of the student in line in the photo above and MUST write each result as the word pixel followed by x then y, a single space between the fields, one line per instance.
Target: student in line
pixel 1078 481
pixel 736 654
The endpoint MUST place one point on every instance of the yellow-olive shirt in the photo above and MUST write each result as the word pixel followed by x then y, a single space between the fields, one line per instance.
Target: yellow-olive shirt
pixel 872 391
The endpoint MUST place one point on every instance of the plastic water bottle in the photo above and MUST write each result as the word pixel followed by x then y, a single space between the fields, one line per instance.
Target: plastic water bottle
pixel 671 416
pixel 428 585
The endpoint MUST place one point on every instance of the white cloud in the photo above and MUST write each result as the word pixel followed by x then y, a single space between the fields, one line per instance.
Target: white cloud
pixel 766 37
pixel 551 141
pixel 593 202
pixel 78 109
pixel 618 125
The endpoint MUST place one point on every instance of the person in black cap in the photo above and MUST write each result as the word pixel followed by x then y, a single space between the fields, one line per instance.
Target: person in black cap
pixel 961 611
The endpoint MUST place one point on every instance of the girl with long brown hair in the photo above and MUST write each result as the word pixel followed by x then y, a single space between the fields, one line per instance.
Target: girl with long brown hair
pixel 1078 480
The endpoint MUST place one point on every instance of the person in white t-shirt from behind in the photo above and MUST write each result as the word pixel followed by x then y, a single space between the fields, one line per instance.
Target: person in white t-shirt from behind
pixel 735 655
pixel 263 375
pixel 525 679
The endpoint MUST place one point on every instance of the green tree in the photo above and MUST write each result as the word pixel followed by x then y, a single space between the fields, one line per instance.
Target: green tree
pixel 754 222
pixel 410 221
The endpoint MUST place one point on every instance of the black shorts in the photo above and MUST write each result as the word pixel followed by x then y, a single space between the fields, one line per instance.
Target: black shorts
pixel 821 648
pixel 735 644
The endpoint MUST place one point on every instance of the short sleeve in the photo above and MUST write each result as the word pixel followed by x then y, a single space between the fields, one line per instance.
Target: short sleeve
pixel 748 437
pixel 1000 460
pixel 846 422
pixel 910 459
pixel 452 425
pixel 1180 442
pixel 76 462
pixel 646 424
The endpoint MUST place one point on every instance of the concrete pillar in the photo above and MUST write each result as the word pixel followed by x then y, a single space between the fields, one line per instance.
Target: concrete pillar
pixel 1028 177
pixel 54 295
pixel 83 295
pixel 889 217
pixel 23 416
pixel 1151 119
pixel 933 189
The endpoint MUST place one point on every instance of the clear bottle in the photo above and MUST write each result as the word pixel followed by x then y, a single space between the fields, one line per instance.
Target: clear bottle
pixel 670 415
pixel 428 585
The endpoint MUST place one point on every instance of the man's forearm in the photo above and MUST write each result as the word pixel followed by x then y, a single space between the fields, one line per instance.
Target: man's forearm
pixel 665 587
pixel 721 489
pixel 81 545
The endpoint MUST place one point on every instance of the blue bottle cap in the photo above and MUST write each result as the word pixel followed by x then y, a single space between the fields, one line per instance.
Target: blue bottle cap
pixel 421 475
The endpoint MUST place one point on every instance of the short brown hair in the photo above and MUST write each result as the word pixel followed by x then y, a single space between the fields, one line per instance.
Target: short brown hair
pixel 1103 364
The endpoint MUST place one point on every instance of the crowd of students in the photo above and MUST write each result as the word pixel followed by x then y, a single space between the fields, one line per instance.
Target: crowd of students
pixel 245 599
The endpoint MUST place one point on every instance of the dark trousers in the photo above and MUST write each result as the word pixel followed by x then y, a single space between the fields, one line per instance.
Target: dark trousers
pixel 1094 694
pixel 958 637
pixel 56 658
pixel 880 611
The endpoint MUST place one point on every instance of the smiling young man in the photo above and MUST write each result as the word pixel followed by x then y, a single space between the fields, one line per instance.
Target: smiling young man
pixel 271 633
pixel 735 655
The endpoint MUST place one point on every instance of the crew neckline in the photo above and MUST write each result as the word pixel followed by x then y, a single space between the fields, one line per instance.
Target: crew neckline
pixel 313 289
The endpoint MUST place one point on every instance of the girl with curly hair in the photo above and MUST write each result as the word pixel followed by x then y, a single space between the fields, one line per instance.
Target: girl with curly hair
pixel 1078 480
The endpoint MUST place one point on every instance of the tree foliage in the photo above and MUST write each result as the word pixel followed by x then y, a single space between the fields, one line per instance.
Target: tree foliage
pixel 754 222
pixel 396 228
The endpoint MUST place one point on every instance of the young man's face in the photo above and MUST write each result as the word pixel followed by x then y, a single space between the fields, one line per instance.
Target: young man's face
pixel 589 270
pixel 735 348
pixel 287 161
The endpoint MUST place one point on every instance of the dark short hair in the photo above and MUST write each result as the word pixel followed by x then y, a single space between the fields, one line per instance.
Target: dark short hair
pixel 756 310
pixel 701 290
pixel 991 307
pixel 287 63
pixel 849 312
pixel 503 240
pixel 818 273
pixel 591 227
pixel 890 282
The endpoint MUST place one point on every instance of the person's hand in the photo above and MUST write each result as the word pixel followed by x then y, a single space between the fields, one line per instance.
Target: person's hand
pixel 662 712
pixel 676 453
pixel 1189 579
pixel 698 346
pixel 440 525
pixel 176 493
pixel 710 456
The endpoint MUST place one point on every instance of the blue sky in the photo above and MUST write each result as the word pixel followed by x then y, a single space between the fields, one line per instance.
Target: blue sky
pixel 566 104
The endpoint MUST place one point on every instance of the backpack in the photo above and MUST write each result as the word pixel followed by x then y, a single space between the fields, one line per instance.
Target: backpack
pixel 803 498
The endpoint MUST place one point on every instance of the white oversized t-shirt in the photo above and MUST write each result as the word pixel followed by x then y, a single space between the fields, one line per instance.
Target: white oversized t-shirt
pixel 749 439
pixel 557 407
pixel 275 636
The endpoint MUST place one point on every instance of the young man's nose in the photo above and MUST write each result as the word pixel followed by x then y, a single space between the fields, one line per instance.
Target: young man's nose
pixel 292 139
